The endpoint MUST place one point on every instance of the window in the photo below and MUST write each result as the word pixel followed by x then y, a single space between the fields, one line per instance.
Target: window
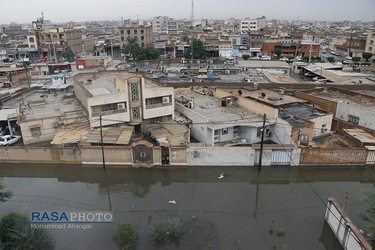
pixel 35 131
pixel 122 32
pixel 142 31
pixel 353 119
pixel 128 31
pixel 224 131
pixel 122 38
pixel 304 137
pixel 135 32
pixel 142 38
pixel 54 36
pixel 134 91
pixel 31 39
pixel 136 112
pixel 235 131
pixel 108 109
pixel 143 44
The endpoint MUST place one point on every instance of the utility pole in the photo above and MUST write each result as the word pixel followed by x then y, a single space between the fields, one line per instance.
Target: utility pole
pixel 261 142
pixel 192 32
pixel 310 51
pixel 101 138
pixel 350 46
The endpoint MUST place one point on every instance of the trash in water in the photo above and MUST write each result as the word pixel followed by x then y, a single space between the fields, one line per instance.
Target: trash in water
pixel 172 202
pixel 221 176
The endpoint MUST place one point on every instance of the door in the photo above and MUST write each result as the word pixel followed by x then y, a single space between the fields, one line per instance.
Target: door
pixel 281 157
pixel 217 135
pixel 142 154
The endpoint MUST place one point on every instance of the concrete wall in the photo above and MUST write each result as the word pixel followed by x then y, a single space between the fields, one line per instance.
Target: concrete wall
pixel 366 114
pixel 82 95
pixel 329 106
pixel 177 156
pixel 325 156
pixel 220 156
pixel 112 155
pixel 46 128
pixel 41 155
pixel 198 130
pixel 281 132
pixel 319 121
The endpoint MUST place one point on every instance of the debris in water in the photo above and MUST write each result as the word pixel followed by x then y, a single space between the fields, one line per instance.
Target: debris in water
pixel 172 202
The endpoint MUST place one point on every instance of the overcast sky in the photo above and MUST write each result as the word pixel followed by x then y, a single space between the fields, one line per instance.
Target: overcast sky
pixel 25 11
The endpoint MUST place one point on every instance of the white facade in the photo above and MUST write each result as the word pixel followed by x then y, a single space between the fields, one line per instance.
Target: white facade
pixel 361 115
pixel 370 43
pixel 248 24
pixel 160 24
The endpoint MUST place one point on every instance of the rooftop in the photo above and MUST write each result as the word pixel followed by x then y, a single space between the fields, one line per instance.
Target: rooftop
pixel 263 64
pixel 209 107
pixel 270 97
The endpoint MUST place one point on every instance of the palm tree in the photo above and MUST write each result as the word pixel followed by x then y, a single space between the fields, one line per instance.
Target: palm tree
pixel 132 46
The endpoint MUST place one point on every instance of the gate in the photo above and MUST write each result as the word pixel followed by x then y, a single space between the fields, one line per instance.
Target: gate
pixel 281 157
pixel 142 154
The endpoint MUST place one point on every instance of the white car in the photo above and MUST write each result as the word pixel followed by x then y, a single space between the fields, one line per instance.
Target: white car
pixel 7 140
pixel 284 59
pixel 265 58
pixel 348 58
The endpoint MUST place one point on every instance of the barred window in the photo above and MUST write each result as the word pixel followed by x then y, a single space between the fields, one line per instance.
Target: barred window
pixel 35 131
pixel 136 112
pixel 134 91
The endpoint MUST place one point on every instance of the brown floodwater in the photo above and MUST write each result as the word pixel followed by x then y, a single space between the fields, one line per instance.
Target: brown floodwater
pixel 279 207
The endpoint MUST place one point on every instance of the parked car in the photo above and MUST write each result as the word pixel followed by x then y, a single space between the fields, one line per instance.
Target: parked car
pixel 348 58
pixel 265 58
pixel 56 71
pixel 284 59
pixel 8 140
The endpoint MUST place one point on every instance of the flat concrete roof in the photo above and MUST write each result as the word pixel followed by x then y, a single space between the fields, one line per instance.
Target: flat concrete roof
pixel 335 96
pixel 271 97
pixel 361 135
pixel 263 64
pixel 279 78
pixel 209 107
pixel 170 132
pixel 328 74
pixel 120 135
pixel 10 69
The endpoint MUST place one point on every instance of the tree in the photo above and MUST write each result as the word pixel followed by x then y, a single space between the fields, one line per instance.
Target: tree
pixel 331 59
pixel 126 235
pixel 185 38
pixel 4 196
pixel 22 235
pixel 245 56
pixel 356 58
pixel 132 46
pixel 278 52
pixel 69 55
pixel 367 55
pixel 148 54
pixel 199 52
pixel 369 214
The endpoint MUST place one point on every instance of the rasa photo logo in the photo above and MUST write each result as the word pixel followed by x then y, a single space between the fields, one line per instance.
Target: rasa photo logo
pixel 69 219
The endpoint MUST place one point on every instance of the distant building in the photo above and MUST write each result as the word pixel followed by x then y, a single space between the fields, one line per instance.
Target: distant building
pixel 370 42
pixel 290 48
pixel 248 24
pixel 144 34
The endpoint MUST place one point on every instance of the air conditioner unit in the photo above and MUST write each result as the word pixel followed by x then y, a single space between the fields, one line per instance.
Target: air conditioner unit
pixel 165 99
pixel 121 106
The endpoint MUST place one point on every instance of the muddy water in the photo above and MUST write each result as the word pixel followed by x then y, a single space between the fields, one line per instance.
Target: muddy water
pixel 244 210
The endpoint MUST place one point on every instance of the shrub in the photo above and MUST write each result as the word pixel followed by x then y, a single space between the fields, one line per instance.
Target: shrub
pixel 356 59
pixel 160 231
pixel 175 227
pixel 245 56
pixel 331 59
pixel 126 235
pixel 22 235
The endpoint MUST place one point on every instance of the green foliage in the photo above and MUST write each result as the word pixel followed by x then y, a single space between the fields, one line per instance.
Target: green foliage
pixel 6 60
pixel 4 196
pixel 132 46
pixel 23 236
pixel 367 55
pixel 167 231
pixel 126 235
pixel 356 59
pixel 107 41
pixel 305 58
pixel 366 63
pixel 69 55
pixel 369 214
pixel 148 54
pixel 185 38
pixel 331 59
pixel 280 233
pixel 317 58
pixel 245 56
pixel 175 227
pixel 278 52
pixel 199 52
pixel 160 232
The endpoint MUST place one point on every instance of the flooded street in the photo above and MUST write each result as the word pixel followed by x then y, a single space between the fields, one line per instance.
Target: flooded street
pixel 244 210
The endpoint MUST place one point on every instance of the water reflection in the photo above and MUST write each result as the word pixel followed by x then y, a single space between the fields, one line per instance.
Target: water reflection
pixel 235 212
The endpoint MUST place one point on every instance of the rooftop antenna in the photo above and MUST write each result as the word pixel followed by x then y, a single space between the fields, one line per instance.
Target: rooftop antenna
pixel 42 15
pixel 192 25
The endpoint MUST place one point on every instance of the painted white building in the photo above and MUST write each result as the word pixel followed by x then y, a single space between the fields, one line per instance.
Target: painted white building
pixel 123 98
pixel 256 24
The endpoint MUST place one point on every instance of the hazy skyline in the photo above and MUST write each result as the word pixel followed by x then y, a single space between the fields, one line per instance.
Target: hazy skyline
pixel 25 11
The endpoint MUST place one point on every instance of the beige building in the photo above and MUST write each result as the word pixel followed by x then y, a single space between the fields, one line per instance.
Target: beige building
pixel 370 42
pixel 123 98
pixel 144 34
